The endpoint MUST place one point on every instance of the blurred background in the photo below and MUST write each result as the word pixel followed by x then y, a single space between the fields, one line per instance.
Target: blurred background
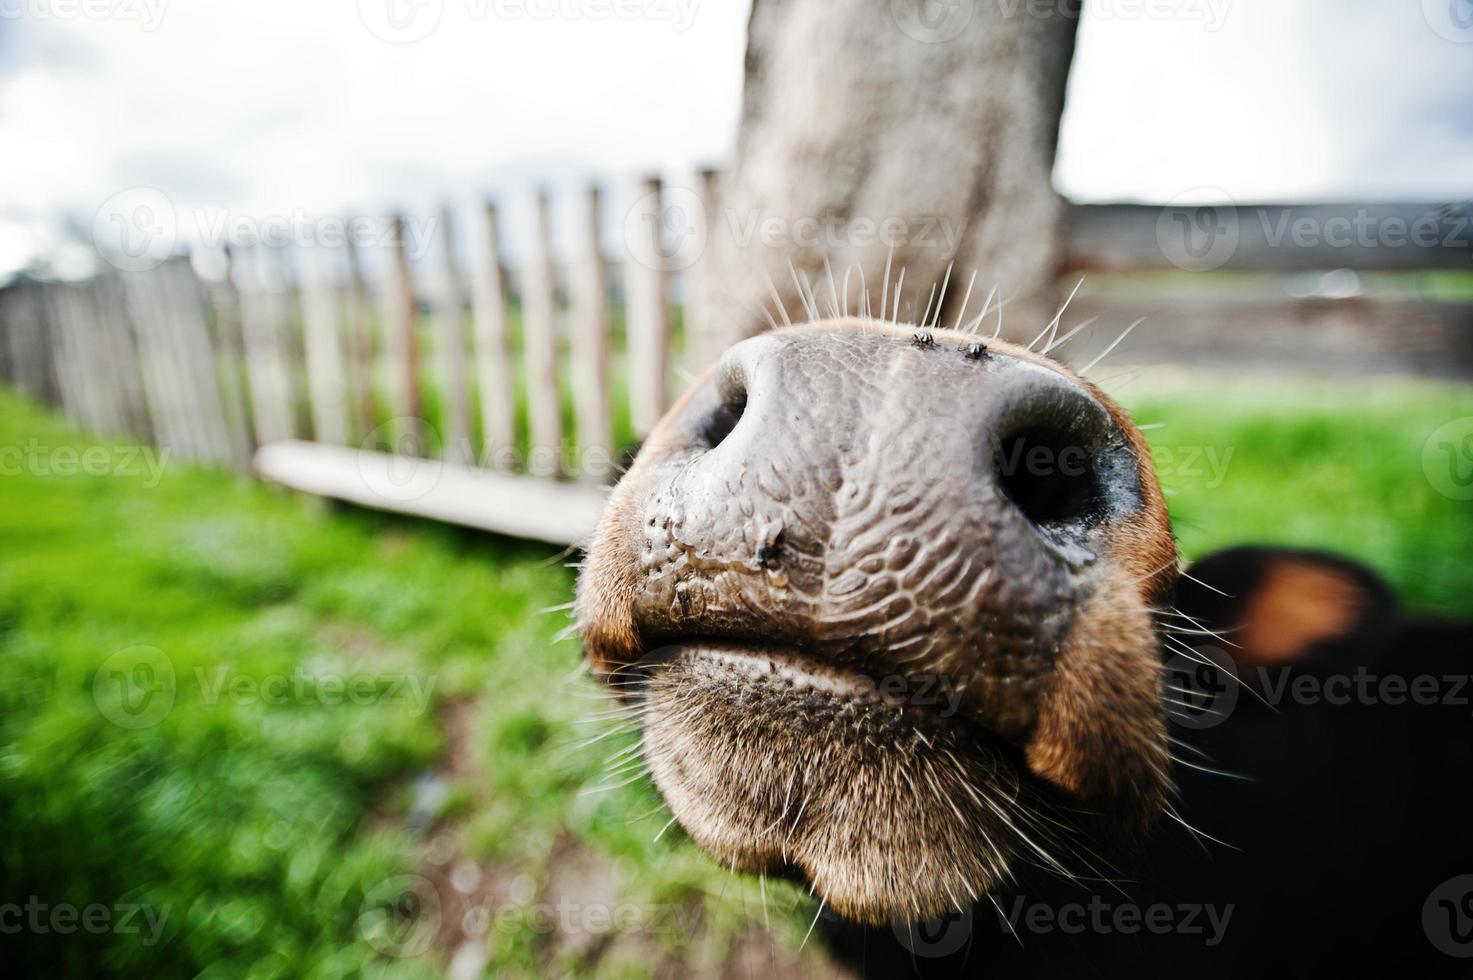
pixel 442 263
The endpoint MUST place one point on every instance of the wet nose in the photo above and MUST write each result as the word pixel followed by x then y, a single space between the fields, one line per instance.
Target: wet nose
pixel 967 425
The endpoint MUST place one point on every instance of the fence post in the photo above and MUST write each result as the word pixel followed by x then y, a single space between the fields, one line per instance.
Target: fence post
pixel 148 312
pixel 359 316
pixel 647 317
pixel 493 373
pixel 184 301
pixel 703 338
pixel 324 350
pixel 590 353
pixel 225 304
pixel 263 330
pixel 66 353
pixel 539 346
pixel 120 355
pixel 450 346
pixel 30 355
pixel 402 345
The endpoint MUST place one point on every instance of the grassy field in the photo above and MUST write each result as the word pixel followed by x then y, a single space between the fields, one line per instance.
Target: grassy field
pixel 246 716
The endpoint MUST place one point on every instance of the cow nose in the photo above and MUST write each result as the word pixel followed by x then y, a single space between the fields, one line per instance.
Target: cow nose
pixel 1035 443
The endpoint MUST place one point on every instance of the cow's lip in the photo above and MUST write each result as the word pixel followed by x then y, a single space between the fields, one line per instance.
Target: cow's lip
pixel 767 754
pixel 921 698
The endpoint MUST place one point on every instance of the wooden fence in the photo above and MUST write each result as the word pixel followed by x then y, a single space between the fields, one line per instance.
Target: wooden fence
pixel 465 363
pixel 497 379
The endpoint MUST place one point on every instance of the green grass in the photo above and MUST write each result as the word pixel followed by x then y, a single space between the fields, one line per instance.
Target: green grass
pixel 263 836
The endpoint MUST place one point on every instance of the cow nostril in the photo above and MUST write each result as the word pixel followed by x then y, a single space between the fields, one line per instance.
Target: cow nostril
pixel 717 425
pixel 1050 476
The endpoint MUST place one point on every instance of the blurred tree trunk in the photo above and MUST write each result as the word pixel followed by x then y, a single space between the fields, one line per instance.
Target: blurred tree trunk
pixel 931 124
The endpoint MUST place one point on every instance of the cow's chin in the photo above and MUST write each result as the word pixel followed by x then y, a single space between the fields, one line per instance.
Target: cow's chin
pixel 888 802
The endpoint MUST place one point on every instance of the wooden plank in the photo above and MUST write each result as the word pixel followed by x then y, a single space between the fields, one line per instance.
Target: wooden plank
pixel 401 345
pixel 66 355
pixel 358 317
pixel 539 348
pixel 526 507
pixel 647 316
pixel 590 351
pixel 326 383
pixel 450 350
pixel 8 367
pixel 30 354
pixel 263 306
pixel 1270 237
pixel 230 360
pixel 194 359
pixel 118 348
pixel 170 411
pixel 101 399
pixel 703 336
pixel 493 369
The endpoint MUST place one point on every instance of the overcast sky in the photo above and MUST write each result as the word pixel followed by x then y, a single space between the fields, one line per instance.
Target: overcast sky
pixel 264 106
